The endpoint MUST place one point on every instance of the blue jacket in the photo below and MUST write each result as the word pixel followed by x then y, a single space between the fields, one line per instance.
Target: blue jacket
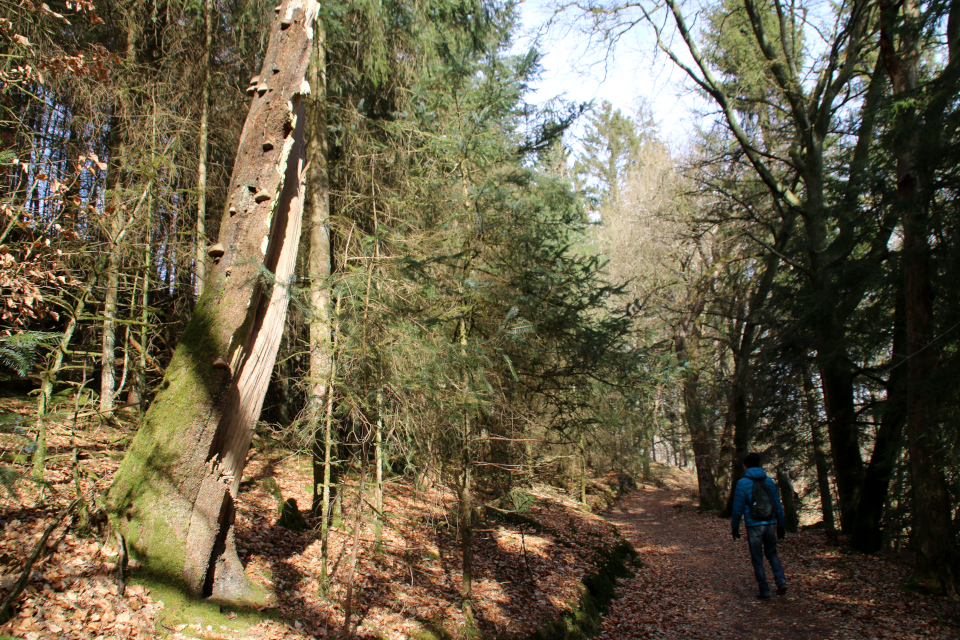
pixel 743 497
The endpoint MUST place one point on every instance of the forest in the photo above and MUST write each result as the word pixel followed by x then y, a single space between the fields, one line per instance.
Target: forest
pixel 343 230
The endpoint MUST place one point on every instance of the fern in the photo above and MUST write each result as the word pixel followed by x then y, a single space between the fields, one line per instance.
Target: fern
pixel 19 351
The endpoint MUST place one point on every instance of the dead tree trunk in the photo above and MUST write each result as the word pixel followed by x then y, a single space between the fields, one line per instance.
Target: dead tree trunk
pixel 172 498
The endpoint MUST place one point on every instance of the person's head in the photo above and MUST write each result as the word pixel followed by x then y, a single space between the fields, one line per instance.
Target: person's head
pixel 751 460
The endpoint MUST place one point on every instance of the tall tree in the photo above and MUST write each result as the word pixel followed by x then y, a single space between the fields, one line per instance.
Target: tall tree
pixel 172 498
pixel 921 134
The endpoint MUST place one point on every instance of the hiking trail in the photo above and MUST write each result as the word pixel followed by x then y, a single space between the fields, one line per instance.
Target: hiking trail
pixel 698 583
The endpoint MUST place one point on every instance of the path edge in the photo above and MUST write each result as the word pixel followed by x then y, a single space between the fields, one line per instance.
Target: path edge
pixel 597 590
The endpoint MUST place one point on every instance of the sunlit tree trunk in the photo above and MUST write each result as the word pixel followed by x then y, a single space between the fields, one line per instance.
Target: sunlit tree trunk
pixel 465 490
pixel 121 158
pixel 173 497
pixel 318 272
pixel 378 451
pixel 200 262
pixel 582 459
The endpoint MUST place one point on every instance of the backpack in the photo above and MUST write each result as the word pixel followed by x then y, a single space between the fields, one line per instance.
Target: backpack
pixel 763 506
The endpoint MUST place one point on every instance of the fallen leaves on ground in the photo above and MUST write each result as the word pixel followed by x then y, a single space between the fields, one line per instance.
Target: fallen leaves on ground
pixel 698 583
pixel 526 570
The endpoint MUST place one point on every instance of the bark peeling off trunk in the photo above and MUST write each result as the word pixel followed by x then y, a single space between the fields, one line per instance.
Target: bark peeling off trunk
pixel 173 497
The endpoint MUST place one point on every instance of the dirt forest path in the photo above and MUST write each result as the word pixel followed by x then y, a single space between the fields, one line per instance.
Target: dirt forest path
pixel 697 583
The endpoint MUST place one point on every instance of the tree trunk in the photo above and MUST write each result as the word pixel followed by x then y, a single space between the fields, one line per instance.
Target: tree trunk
pixel 837 383
pixel 819 454
pixel 687 344
pixel 465 491
pixel 327 474
pixel 378 454
pixel 867 535
pixel 172 498
pixel 108 372
pixel 345 630
pixel 119 159
pixel 742 433
pixel 790 515
pixel 582 455
pixel 200 262
pixel 937 561
pixel 319 268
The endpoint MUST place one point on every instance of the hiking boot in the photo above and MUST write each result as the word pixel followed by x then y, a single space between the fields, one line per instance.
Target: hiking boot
pixel 763 596
pixel 781 589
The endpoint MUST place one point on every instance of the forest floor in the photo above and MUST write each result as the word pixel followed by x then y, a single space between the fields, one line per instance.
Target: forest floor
pixel 528 563
pixel 696 582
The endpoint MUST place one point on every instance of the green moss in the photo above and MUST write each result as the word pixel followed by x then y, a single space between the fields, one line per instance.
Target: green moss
pixel 431 633
pixel 435 630
pixel 290 516
pixel 582 621
pixel 180 608
pixel 146 503
pixel 925 582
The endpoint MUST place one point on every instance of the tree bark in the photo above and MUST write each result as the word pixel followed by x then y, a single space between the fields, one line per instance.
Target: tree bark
pixel 790 515
pixel 465 490
pixel 686 345
pixel 378 456
pixel 200 262
pixel 819 453
pixel 119 159
pixel 836 379
pixel 172 498
pixel 867 536
pixel 937 559
pixel 319 267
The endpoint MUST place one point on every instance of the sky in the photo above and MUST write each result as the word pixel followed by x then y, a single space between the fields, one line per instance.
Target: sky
pixel 635 73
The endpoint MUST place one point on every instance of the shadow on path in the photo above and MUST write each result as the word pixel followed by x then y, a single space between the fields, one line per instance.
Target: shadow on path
pixel 697 581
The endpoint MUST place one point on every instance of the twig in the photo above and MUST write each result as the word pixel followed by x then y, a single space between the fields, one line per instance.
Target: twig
pixel 5 609
pixel 523 546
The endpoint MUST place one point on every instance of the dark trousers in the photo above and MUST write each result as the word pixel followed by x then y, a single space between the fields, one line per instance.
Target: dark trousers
pixel 763 542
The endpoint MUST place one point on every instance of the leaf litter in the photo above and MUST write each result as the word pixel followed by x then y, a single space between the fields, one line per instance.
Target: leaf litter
pixel 527 567
pixel 698 583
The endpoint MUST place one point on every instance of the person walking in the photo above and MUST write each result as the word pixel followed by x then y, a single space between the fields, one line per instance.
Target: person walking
pixel 755 499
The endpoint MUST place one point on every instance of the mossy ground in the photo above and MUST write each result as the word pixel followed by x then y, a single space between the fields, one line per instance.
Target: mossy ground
pixel 185 614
